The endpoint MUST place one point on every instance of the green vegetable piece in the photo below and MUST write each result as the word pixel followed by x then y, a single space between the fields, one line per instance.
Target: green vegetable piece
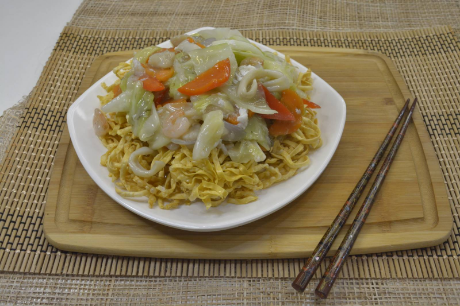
pixel 210 134
pixel 246 151
pixel 219 100
pixel 257 130
pixel 144 54
pixel 124 80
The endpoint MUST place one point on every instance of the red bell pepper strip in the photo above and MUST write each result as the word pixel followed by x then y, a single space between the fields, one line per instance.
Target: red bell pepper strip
pixel 295 105
pixel 310 104
pixel 273 103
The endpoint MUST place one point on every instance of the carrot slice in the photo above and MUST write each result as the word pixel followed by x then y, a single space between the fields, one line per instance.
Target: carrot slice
pixel 200 45
pixel 161 75
pixel 295 105
pixel 210 79
pixel 233 119
pixel 273 103
pixel 151 84
pixel 116 90
pixel 310 104
pixel 191 40
pixel 148 70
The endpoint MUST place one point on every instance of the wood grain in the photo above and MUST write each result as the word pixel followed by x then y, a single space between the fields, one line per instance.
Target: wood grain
pixel 411 211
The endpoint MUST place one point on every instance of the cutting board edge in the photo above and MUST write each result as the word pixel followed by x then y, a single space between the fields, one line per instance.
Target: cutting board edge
pixel 436 236
pixel 442 230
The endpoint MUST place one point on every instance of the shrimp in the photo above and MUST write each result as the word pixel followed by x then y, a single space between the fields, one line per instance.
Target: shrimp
pixel 176 124
pixel 176 118
pixel 100 124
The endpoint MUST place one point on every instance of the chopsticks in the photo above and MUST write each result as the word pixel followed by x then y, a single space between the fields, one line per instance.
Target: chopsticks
pixel 310 267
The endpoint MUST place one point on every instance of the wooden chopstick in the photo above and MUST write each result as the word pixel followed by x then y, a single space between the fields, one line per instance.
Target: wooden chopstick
pixel 329 277
pixel 310 267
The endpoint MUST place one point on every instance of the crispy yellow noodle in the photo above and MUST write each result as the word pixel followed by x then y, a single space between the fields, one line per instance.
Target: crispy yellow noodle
pixel 212 180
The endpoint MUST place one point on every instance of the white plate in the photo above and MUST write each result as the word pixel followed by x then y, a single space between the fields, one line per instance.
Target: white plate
pixel 195 217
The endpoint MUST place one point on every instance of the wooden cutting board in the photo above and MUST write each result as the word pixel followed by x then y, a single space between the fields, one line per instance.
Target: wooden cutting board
pixel 411 210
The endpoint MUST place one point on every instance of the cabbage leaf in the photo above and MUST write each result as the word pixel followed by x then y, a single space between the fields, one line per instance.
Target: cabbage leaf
pixel 257 130
pixel 204 59
pixel 245 151
pixel 210 134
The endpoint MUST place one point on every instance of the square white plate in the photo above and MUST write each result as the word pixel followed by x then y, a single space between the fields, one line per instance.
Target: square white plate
pixel 195 217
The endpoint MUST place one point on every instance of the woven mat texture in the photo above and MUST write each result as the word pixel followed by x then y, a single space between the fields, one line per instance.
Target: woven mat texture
pixel 427 58
pixel 322 15
pixel 80 290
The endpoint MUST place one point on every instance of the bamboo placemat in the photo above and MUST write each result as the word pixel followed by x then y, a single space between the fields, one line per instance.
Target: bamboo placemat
pixel 84 290
pixel 319 15
pixel 428 59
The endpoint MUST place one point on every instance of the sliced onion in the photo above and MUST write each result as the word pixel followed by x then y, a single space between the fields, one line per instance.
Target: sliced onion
pixel 120 103
pixel 242 118
pixel 183 142
pixel 223 148
pixel 176 40
pixel 138 70
pixel 138 169
pixel 242 71
pixel 277 81
pixel 187 46
pixel 163 59
pixel 233 132
pixel 193 133
pixel 172 146
pixel 207 42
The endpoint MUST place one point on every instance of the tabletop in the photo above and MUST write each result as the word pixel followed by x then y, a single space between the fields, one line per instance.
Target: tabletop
pixel 420 37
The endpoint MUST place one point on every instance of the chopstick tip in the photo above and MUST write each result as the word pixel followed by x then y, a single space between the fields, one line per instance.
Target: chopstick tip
pixel 406 105
pixel 301 281
pixel 413 104
pixel 320 294
pixel 297 287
